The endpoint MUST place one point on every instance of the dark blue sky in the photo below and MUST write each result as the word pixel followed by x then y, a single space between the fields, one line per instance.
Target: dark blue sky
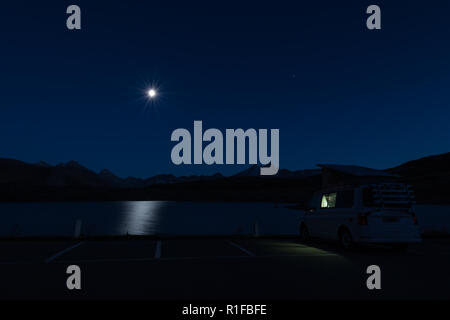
pixel 338 92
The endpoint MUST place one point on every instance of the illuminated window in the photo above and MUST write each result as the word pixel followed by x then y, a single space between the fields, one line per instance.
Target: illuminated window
pixel 328 200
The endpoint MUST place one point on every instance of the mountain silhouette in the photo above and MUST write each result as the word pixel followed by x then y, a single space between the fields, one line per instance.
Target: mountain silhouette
pixel 430 176
pixel 71 181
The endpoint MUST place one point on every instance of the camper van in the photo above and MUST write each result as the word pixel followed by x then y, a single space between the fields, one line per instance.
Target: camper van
pixel 381 213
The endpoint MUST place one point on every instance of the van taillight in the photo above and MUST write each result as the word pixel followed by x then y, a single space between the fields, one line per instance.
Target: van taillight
pixel 362 219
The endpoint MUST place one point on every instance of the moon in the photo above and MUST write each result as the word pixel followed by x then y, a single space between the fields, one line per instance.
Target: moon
pixel 152 93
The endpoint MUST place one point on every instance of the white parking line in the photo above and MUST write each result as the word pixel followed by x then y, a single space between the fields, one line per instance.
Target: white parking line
pixel 158 250
pixel 50 259
pixel 251 254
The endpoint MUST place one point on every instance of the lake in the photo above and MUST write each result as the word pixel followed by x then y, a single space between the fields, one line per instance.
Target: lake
pixel 169 218
pixel 145 218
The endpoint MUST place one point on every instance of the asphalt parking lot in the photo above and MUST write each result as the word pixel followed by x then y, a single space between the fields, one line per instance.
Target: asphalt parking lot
pixel 220 268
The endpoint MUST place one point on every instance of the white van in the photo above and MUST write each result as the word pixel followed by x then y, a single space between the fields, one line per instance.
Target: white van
pixel 380 213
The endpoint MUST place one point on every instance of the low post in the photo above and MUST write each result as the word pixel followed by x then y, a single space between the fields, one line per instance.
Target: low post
pixel 256 229
pixel 78 225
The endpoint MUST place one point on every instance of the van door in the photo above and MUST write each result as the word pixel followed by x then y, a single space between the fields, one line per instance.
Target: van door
pixel 344 213
pixel 325 211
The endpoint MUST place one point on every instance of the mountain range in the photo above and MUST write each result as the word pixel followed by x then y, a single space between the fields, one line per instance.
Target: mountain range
pixel 74 174
pixel 21 181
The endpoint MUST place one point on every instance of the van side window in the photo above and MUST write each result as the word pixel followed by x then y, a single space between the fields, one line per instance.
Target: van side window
pixel 328 200
pixel 345 199
pixel 368 197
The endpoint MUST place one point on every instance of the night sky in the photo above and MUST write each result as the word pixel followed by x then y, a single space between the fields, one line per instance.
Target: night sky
pixel 338 92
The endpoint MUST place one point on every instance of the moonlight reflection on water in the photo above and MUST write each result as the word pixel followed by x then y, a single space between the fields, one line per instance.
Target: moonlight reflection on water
pixel 141 217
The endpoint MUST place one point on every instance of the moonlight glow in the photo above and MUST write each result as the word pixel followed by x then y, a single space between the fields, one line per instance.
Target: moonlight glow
pixel 152 93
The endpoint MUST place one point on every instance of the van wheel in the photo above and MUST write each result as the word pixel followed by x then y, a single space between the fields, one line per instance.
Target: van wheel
pixel 345 239
pixel 304 233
